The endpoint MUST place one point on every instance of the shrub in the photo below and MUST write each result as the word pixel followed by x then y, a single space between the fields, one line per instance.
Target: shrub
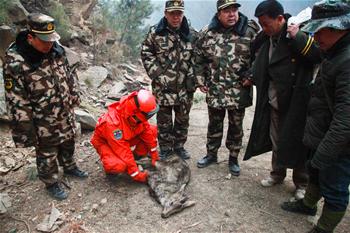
pixel 3 12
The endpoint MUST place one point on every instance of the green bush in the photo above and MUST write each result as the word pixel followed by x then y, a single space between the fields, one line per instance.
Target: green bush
pixel 3 12
pixel 127 17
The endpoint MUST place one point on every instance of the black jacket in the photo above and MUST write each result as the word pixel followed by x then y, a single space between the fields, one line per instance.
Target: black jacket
pixel 291 69
pixel 327 129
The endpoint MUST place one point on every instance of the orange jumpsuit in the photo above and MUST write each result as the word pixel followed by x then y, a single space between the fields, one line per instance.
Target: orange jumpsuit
pixel 115 135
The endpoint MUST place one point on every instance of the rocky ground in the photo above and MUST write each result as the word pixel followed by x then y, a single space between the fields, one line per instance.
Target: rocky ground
pixel 223 204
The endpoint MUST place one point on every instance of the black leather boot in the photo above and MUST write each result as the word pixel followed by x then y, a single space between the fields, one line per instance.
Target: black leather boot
pixel 76 172
pixel 57 192
pixel 206 161
pixel 298 207
pixel 318 230
pixel 182 152
pixel 233 166
pixel 164 154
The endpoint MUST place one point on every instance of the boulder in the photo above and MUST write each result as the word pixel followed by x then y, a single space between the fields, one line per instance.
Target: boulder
pixel 6 164
pixel 7 36
pixel 72 56
pixel 5 202
pixel 117 91
pixel 94 76
pixel 3 112
pixel 78 10
pixel 18 14
pixel 130 68
pixel 86 120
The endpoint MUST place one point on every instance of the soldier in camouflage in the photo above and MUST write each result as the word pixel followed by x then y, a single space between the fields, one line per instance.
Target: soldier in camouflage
pixel 41 92
pixel 223 72
pixel 167 55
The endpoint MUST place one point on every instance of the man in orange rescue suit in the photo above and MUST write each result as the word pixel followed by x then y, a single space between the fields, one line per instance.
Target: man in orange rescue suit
pixel 123 126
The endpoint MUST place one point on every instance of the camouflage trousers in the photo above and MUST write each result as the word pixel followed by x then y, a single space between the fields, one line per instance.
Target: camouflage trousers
pixel 48 158
pixel 173 134
pixel 215 130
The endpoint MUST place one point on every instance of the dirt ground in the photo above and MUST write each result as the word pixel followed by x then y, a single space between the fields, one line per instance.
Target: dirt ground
pixel 98 205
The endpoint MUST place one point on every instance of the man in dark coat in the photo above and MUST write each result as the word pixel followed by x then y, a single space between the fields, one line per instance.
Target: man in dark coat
pixel 327 130
pixel 282 72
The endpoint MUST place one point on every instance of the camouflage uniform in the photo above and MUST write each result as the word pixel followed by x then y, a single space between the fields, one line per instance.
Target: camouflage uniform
pixel 222 63
pixel 167 55
pixel 41 92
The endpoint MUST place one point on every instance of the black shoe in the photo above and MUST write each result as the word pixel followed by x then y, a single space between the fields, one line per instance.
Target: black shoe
pixel 56 192
pixel 298 207
pixel 164 154
pixel 206 161
pixel 235 169
pixel 182 153
pixel 233 166
pixel 76 172
pixel 318 230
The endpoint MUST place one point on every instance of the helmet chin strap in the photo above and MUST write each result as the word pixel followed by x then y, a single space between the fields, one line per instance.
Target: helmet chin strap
pixel 134 120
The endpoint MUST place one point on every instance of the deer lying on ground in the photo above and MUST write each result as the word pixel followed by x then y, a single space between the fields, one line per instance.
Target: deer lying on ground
pixel 167 184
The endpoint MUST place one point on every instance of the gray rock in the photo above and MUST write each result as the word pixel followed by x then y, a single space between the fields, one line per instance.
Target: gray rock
pixel 7 36
pixel 3 113
pixel 51 222
pixel 18 14
pixel 5 203
pixel 86 120
pixel 117 91
pixel 130 68
pixel 94 76
pixel 6 164
pixel 78 130
pixel 72 56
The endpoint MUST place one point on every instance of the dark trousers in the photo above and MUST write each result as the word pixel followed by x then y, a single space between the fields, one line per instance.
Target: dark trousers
pixel 48 158
pixel 333 183
pixel 173 134
pixel 300 176
pixel 216 126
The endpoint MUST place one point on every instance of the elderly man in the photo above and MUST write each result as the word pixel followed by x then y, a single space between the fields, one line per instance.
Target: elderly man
pixel 327 131
pixel 282 72
pixel 222 65
pixel 41 92
pixel 167 57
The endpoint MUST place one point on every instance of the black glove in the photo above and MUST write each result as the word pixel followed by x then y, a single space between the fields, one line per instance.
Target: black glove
pixel 313 172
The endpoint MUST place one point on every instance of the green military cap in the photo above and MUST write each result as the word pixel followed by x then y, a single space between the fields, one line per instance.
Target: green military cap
pixel 43 26
pixel 174 5
pixel 221 4
pixel 329 14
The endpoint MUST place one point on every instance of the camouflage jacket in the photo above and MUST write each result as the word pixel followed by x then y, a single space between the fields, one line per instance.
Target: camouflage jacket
pixel 223 61
pixel 40 92
pixel 167 56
